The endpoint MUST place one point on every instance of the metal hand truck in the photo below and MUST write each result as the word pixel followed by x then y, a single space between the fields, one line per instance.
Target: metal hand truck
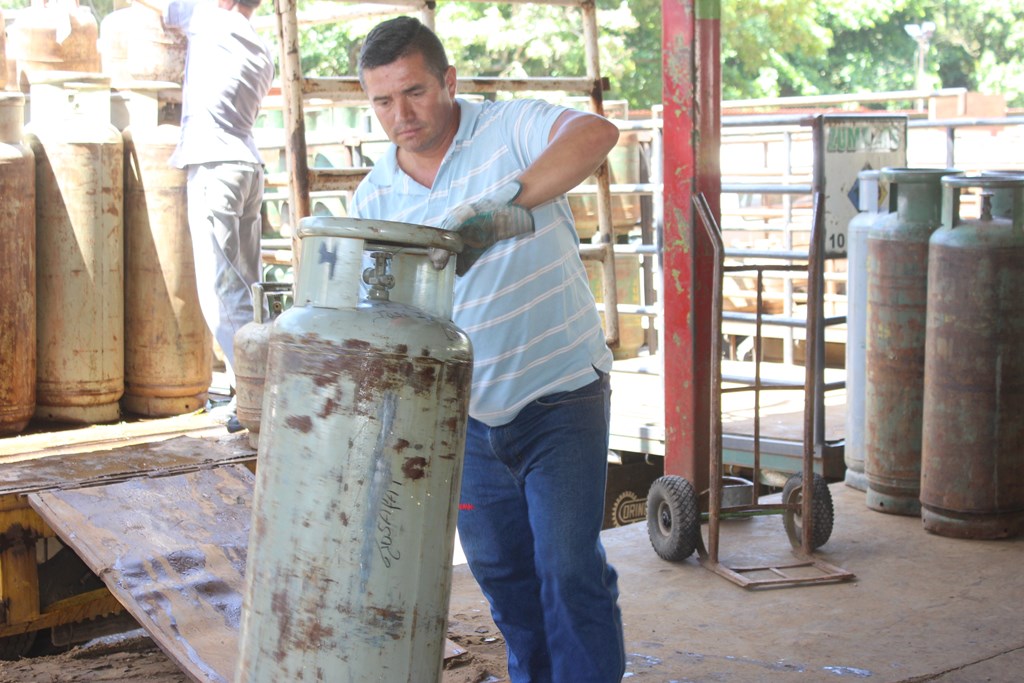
pixel 673 505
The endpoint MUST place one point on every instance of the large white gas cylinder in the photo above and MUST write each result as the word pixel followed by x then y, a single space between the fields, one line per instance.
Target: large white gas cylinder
pixel 360 463
pixel 872 210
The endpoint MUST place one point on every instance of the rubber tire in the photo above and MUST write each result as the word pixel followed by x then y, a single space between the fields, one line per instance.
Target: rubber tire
pixel 673 518
pixel 16 647
pixel 821 511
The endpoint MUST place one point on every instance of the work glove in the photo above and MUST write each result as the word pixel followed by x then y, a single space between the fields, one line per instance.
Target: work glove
pixel 482 223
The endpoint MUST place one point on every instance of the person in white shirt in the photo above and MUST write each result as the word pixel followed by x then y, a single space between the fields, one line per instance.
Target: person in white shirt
pixel 228 71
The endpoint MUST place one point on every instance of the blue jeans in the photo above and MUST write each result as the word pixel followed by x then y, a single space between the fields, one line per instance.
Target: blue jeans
pixel 530 519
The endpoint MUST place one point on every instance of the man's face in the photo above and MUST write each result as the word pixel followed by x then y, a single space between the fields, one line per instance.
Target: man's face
pixel 417 111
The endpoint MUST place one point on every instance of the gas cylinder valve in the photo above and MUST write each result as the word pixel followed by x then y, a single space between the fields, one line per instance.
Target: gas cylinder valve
pixel 986 205
pixel 379 276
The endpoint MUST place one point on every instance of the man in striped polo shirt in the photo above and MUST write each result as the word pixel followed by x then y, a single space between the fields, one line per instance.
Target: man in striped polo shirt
pixel 533 483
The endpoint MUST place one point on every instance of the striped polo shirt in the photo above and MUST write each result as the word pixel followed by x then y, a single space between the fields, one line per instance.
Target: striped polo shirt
pixel 526 304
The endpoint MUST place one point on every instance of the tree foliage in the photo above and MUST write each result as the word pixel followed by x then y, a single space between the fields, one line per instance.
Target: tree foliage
pixel 516 40
pixel 760 39
pixel 977 45
pixel 769 48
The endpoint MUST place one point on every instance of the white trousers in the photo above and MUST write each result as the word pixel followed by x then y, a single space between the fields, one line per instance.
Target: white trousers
pixel 224 201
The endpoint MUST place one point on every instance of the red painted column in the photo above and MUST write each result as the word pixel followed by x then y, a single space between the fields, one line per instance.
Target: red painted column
pixel 691 96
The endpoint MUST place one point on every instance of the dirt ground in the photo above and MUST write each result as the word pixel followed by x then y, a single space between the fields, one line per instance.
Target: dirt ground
pixel 133 657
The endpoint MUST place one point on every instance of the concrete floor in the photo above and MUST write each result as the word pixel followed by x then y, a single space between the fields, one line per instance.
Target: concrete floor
pixel 921 608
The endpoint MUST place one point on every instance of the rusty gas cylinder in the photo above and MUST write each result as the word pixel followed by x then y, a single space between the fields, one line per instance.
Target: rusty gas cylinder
pixel 1001 197
pixel 167 349
pixel 135 46
pixel 269 300
pixel 53 35
pixel 4 66
pixel 894 345
pixel 80 252
pixel 972 462
pixel 360 463
pixel 17 270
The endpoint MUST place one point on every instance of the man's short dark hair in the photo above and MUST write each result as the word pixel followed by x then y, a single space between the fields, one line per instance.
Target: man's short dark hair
pixel 249 3
pixel 400 37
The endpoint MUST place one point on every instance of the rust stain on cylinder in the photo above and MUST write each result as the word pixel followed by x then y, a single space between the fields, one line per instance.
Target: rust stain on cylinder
pixel 415 468
pixel 373 370
pixel 281 606
pixel 316 633
pixel 330 405
pixel 302 423
pixel 425 378
pixel 387 620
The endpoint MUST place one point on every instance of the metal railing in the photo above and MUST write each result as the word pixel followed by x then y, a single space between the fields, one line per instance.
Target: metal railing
pixel 767 171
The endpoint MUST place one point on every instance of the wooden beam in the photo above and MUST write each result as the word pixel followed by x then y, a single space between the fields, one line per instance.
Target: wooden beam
pixel 347 88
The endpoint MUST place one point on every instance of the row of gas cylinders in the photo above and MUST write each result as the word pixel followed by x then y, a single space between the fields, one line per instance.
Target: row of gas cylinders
pixel 98 292
pixel 363 393
pixel 935 350
pixel 129 44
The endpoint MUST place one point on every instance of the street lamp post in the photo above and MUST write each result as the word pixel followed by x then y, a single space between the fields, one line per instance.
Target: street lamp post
pixel 922 34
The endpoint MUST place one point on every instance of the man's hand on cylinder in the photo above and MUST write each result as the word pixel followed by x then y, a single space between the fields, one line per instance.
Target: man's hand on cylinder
pixel 482 223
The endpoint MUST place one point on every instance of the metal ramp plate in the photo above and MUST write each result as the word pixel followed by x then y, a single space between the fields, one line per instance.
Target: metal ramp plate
pixel 28 464
pixel 172 550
